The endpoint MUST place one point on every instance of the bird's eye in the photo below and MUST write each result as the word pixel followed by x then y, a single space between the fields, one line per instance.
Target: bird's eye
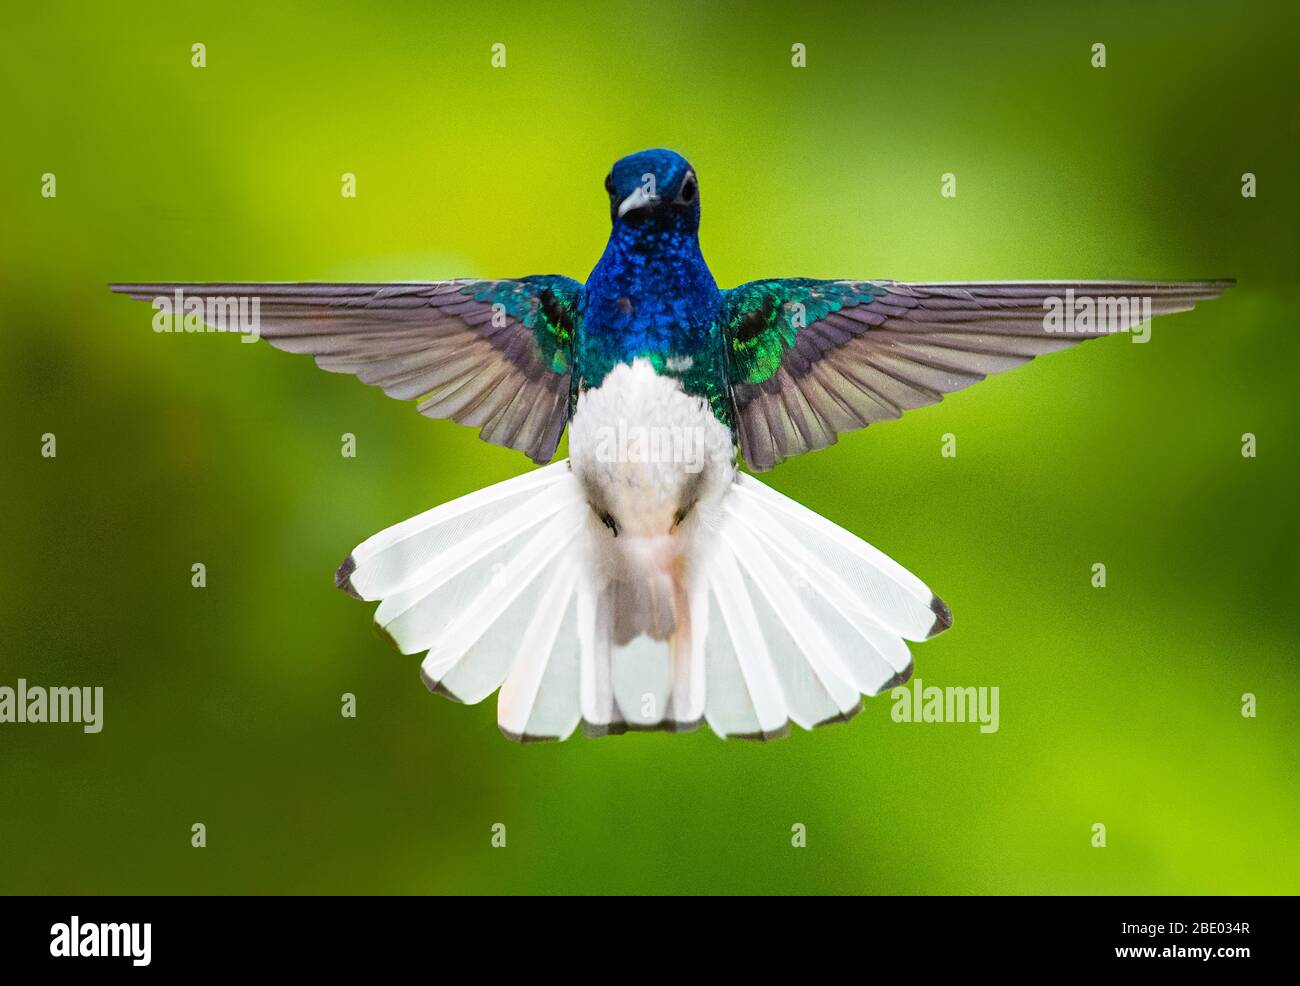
pixel 609 184
pixel 687 194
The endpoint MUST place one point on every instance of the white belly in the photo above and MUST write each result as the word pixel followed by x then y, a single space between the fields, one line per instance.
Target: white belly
pixel 648 454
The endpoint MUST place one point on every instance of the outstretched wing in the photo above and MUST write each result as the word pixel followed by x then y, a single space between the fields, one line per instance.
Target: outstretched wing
pixel 492 354
pixel 811 359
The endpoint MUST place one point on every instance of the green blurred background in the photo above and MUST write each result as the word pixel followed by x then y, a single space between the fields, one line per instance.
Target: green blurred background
pixel 1119 706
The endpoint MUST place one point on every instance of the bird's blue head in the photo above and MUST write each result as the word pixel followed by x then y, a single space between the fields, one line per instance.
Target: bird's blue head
pixel 655 188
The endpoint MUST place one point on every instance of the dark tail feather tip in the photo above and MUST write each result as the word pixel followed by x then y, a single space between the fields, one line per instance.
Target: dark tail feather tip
pixel 343 577
pixel 902 678
pixel 942 616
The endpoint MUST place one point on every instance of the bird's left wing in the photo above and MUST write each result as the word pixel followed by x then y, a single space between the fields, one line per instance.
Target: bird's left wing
pixel 812 359
pixel 495 355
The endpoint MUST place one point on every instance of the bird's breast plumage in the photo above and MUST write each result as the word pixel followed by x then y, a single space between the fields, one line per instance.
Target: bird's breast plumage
pixel 651 457
pixel 652 297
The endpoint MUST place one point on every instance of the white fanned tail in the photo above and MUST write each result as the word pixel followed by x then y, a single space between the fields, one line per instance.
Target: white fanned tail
pixel 804 617
pixel 783 617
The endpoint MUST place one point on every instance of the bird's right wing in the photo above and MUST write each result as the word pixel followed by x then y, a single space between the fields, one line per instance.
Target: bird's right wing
pixel 812 359
pixel 495 355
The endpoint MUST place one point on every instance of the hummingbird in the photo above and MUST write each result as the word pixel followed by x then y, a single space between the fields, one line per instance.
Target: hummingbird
pixel 645 582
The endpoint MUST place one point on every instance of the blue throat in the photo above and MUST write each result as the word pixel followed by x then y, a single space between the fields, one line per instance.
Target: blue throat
pixel 652 295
